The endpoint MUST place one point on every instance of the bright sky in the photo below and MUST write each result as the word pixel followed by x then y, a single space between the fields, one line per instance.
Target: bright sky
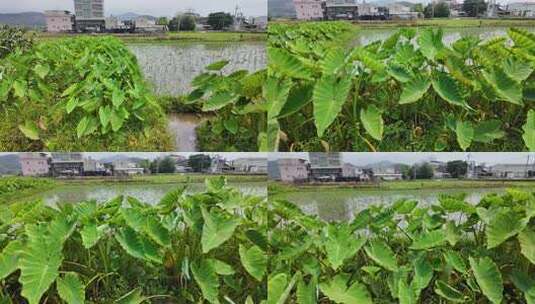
pixel 152 7
pixel 363 159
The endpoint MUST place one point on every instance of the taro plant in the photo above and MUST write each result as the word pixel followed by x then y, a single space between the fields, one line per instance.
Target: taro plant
pixel 78 93
pixel 237 103
pixel 410 91
pixel 14 40
pixel 450 252
pixel 207 247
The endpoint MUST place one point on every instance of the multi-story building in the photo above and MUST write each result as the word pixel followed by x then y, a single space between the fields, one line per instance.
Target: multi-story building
pixel 308 9
pixel 341 9
pixel 292 169
pixel 513 171
pixel 59 21
pixel 251 165
pixel 126 167
pixel 67 164
pixel 523 9
pixel 325 165
pixel 93 167
pixel 90 15
pixel 34 164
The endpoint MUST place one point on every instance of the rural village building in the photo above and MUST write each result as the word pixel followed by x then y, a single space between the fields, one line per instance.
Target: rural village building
pixel 292 169
pixel 309 9
pixel 34 164
pixel 59 21
pixel 250 165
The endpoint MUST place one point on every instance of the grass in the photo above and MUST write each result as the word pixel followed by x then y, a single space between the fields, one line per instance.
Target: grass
pixel 196 36
pixel 448 22
pixel 278 188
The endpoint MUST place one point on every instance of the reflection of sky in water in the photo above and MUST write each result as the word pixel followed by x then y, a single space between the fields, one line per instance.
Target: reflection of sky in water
pixel 451 35
pixel 342 205
pixel 144 192
pixel 170 68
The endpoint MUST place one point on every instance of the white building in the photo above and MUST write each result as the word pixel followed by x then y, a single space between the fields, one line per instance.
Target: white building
pixel 512 171
pixel 350 171
pixel 523 9
pixel 325 165
pixel 126 167
pixel 59 21
pixel 144 24
pixel 293 170
pixel 250 165
pixel 93 166
pixel 34 164
pixel 308 9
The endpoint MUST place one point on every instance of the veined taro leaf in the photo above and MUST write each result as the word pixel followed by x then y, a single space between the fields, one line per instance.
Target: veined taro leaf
pixel 276 94
pixel 30 130
pixel 217 66
pixel 20 88
pixel 382 254
pixel 373 122
pixel 489 278
pixel 329 96
pixel 465 134
pixel 333 62
pixel 526 284
pixel 454 259
pixel 448 89
pixel 522 39
pixel 287 64
pixel 118 97
pixel 117 120
pixel 529 131
pixel 502 225
pixel 221 267
pixel 306 293
pixel 527 244
pixel 447 292
pixel 300 95
pixel 430 43
pixel 428 240
pixel 216 230
pixel 71 289
pixel 517 70
pixel 341 244
pixel 138 246
pixel 42 70
pixel 133 297
pixel 218 101
pixel 104 114
pixel 206 277
pixel 488 131
pixel 86 126
pixel 91 233
pixel 506 87
pixel 405 293
pixel 423 274
pixel 414 90
pixel 452 233
pixel 337 290
pixel 279 288
pixel 400 73
pixel 9 258
pixel 254 260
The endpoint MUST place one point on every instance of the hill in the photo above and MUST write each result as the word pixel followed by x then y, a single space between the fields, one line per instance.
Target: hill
pixel 9 164
pixel 27 19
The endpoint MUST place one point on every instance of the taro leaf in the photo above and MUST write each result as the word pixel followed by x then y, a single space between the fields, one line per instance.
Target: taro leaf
pixel 276 286
pixel 82 126
pixel 447 292
pixel 329 96
pixel 341 244
pixel 489 278
pixel 104 114
pixel 337 290
pixel 138 246
pixel 333 62
pixel 306 293
pixel 20 88
pixel 465 134
pixel 488 131
pixel 503 225
pixel 400 73
pixel 276 94
pixel 132 297
pixel 231 124
pixel 42 70
pixel 287 64
pixel 117 120
pixel 300 95
pixel 452 233
pixel 454 259
pixel 522 39
pixel 221 268
pixel 217 66
pixel 72 103
pixel 448 89
pixel 506 87
pixel 429 240
pixel 414 90
pixel 529 131
pixel 71 289
pixel 517 70
pixel 218 101
pixel 406 295
pixel 423 274
pixel 373 121
pixel 30 130
pixel 254 260
pixel 430 43
pixel 117 98
pixel 382 254
pixel 217 229
pixel 5 88
pixel 9 258
pixel 91 234
pixel 527 244
pixel 526 284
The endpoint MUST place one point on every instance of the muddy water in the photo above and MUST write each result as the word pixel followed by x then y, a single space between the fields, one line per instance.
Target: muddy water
pixel 182 128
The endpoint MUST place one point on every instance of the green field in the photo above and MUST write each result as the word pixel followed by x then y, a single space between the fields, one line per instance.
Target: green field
pixel 448 22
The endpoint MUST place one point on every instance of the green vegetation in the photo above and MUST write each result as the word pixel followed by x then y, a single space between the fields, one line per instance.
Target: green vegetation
pixel 14 40
pixel 453 252
pixel 80 94
pixel 198 248
pixel 447 23
pixel 407 93
pixel 172 37
pixel 237 102
pixel 11 187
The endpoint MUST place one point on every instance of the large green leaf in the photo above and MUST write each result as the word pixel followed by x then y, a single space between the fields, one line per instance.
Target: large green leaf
pixel 91 234
pixel 423 274
pixel 334 61
pixel 30 130
pixel 217 66
pixel 449 293
pixel 527 244
pixel 489 278
pixel 414 90
pixel 429 239
pixel 372 121
pixel 138 246
pixel 503 225
pixel 42 70
pixel 329 96
pixel 341 244
pixel 284 62
pixel 488 131
pixel 217 229
pixel 306 293
pixel 430 43
pixel 405 293
pixel 454 259
pixel 219 101
pixel 276 93
pixel 517 70
pixel 529 131
pixel 132 297
pixel 254 260
pixel 448 89
pixel 206 277
pixel 9 258
pixel 382 254
pixel 71 289
pixel 276 286
pixel 465 134
pixel 337 290
pixel 506 87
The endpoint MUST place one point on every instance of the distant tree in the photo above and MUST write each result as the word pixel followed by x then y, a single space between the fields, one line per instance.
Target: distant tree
pixel 418 7
pixel 182 22
pixel 474 8
pixel 438 10
pixel 200 162
pixel 457 168
pixel 162 21
pixel 167 165
pixel 154 166
pixel 421 171
pixel 220 21
pixel 13 39
pixel 405 171
pixel 145 164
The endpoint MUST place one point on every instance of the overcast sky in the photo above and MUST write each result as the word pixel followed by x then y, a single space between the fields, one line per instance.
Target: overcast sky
pixel 363 159
pixel 150 7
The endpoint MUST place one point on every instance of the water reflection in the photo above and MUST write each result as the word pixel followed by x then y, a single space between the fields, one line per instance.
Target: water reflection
pixel 182 127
